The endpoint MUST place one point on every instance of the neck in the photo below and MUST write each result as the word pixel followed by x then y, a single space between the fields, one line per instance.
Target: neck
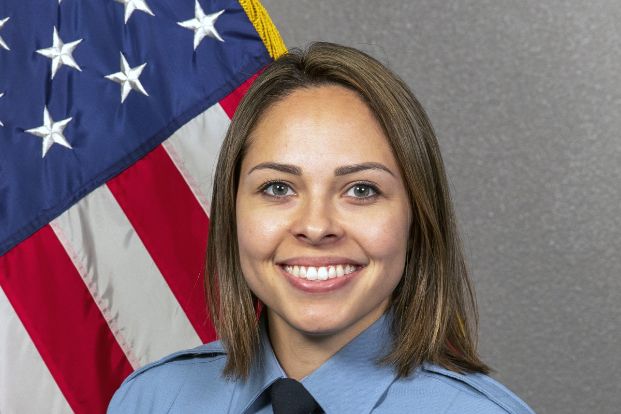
pixel 300 353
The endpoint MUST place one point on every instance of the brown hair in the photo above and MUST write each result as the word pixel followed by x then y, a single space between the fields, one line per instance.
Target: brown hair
pixel 433 306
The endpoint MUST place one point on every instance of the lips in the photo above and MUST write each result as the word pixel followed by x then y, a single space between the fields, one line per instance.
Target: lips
pixel 320 275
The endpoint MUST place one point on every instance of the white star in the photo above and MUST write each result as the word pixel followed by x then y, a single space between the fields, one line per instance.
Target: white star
pixel 128 78
pixel 203 25
pixel 51 132
pixel 131 5
pixel 1 95
pixel 2 43
pixel 60 53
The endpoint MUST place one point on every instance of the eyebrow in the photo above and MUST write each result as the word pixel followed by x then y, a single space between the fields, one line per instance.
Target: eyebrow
pixel 350 169
pixel 347 169
pixel 286 168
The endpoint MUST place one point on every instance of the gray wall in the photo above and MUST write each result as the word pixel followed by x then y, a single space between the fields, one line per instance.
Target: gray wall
pixel 525 97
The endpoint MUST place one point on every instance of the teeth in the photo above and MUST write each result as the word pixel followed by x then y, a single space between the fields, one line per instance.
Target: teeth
pixel 320 273
pixel 311 273
pixel 331 272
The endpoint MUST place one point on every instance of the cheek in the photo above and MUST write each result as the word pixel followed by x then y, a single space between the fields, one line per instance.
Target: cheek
pixel 385 237
pixel 258 233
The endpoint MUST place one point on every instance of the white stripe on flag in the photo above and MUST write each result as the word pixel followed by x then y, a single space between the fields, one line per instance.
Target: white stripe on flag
pixel 143 314
pixel 194 149
pixel 26 385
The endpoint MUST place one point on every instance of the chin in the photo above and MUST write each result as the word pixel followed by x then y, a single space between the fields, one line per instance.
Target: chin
pixel 318 323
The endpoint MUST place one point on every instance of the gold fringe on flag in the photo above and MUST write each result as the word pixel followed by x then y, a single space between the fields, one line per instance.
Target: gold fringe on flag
pixel 265 27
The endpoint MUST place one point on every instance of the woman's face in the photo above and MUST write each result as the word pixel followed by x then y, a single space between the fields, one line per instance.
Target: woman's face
pixel 322 213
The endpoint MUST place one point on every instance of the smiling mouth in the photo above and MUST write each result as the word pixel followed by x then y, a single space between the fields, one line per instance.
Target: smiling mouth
pixel 321 272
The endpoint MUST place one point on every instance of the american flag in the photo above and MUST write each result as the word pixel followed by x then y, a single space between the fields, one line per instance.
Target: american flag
pixel 112 113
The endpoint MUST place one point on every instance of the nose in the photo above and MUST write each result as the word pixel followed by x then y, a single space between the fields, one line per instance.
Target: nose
pixel 316 222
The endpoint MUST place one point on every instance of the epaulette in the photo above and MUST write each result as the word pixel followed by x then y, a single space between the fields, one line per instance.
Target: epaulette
pixel 210 350
pixel 487 386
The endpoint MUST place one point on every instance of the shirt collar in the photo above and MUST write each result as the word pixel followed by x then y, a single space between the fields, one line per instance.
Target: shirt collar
pixel 350 381
pixel 264 371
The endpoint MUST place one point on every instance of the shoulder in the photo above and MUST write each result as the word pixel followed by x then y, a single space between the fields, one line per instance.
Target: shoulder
pixel 177 379
pixel 477 388
pixel 444 391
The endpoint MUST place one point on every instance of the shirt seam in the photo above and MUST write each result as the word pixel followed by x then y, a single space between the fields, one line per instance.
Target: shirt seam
pixel 191 361
pixel 457 393
pixel 146 368
pixel 451 382
pixel 172 403
pixel 477 393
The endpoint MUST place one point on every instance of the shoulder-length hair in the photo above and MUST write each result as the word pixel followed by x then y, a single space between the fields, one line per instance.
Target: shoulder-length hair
pixel 433 307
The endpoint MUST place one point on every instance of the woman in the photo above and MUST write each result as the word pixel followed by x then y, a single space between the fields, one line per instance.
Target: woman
pixel 333 259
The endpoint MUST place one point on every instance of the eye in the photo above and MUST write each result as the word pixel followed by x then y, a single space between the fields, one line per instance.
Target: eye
pixel 277 189
pixel 362 190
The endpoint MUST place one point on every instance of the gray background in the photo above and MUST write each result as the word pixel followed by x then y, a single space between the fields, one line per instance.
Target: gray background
pixel 525 97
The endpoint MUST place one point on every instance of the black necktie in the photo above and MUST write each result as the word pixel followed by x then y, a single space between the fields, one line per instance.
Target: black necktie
pixel 290 397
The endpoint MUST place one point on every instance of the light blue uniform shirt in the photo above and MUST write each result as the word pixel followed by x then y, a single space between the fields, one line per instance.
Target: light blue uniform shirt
pixel 349 382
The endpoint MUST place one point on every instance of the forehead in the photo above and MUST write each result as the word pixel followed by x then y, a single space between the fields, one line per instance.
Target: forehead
pixel 324 124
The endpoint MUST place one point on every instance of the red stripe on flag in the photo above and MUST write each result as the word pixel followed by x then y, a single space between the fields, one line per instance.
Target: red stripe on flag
pixel 231 101
pixel 173 228
pixel 64 323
